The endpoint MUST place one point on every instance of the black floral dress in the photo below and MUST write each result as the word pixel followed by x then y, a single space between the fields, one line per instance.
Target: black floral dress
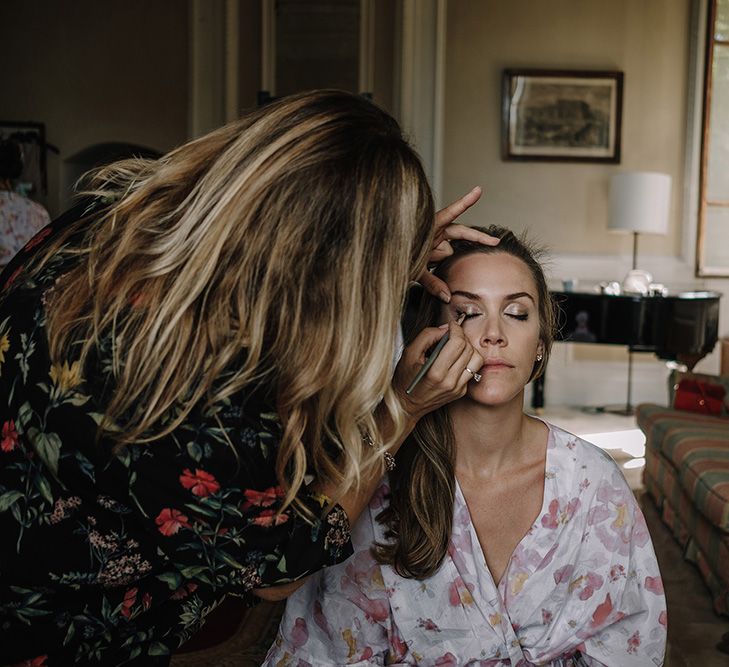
pixel 117 559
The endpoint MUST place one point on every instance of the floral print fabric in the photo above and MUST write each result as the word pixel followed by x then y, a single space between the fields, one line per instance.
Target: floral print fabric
pixel 20 219
pixel 582 587
pixel 117 558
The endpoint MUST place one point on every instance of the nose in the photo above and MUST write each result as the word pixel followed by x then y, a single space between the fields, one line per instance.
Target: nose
pixel 492 333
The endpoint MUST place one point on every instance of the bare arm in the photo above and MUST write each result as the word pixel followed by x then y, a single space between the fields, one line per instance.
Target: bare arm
pixel 444 382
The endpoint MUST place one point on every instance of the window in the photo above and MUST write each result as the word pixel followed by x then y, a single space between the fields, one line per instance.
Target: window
pixel 712 250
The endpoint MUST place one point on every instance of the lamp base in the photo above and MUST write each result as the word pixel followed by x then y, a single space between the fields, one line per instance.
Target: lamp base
pixel 637 282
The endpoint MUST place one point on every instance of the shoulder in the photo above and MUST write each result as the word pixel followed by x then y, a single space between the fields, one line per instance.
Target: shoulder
pixel 577 453
pixel 582 469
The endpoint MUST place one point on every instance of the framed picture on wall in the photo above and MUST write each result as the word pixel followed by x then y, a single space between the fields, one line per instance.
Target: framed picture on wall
pixel 561 115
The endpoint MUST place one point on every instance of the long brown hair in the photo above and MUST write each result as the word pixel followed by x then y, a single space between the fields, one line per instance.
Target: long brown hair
pixel 419 518
pixel 273 251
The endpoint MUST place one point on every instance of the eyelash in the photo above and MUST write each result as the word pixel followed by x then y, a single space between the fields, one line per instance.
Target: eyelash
pixel 468 316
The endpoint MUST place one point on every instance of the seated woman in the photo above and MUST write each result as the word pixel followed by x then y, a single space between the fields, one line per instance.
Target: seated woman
pixel 498 539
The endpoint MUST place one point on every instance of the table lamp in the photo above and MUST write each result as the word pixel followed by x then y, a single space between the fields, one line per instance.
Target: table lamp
pixel 639 203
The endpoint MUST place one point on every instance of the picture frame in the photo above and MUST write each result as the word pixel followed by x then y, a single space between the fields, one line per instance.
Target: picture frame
pixel 561 115
pixel 32 140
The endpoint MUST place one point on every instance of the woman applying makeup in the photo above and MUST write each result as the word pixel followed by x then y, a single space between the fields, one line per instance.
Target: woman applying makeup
pixel 195 377
pixel 499 539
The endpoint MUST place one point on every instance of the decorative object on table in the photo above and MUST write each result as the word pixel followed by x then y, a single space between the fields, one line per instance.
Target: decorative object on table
pixel 637 281
pixel 611 288
pixel 561 115
pixel 657 289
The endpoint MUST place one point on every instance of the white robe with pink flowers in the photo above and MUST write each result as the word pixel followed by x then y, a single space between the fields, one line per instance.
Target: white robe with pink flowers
pixel 583 579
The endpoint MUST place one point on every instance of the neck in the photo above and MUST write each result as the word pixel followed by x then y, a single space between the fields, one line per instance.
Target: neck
pixel 492 439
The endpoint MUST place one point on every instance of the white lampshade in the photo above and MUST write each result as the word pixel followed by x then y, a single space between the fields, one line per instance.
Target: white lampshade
pixel 639 202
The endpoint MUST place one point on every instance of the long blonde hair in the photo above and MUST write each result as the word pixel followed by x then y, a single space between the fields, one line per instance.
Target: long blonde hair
pixel 419 518
pixel 274 251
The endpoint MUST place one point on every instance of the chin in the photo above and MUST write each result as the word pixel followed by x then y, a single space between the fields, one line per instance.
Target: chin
pixel 492 394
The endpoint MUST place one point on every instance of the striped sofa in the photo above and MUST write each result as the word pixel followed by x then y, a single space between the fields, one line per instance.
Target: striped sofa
pixel 687 474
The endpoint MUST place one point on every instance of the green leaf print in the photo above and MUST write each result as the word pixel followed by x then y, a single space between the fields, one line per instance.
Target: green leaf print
pixel 158 648
pixel 195 451
pixel 25 414
pixel 48 447
pixel 172 579
pixel 9 498
pixel 41 483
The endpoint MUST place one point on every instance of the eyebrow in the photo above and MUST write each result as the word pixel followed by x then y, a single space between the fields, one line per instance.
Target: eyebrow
pixel 508 297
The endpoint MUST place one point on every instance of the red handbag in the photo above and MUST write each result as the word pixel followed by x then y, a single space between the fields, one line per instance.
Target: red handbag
pixel 699 396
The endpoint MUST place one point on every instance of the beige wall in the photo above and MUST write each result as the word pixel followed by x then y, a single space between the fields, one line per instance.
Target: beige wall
pixel 565 204
pixel 95 72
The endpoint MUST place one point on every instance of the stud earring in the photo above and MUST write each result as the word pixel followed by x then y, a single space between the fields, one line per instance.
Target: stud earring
pixel 540 357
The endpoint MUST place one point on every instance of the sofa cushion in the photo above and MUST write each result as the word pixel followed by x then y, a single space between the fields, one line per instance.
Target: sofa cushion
pixel 697 447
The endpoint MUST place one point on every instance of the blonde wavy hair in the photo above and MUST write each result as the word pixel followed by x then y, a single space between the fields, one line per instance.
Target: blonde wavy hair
pixel 275 251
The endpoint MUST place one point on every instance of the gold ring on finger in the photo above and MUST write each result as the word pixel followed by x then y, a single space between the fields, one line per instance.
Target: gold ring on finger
pixel 476 377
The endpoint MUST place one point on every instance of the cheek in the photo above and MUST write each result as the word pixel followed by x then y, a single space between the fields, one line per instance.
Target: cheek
pixel 472 336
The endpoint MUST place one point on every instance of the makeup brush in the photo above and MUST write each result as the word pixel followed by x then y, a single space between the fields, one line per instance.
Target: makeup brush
pixel 433 356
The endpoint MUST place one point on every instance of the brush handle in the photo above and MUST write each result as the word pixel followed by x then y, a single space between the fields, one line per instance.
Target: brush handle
pixel 431 359
pixel 428 362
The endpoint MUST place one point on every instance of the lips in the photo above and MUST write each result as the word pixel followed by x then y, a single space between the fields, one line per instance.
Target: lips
pixel 495 364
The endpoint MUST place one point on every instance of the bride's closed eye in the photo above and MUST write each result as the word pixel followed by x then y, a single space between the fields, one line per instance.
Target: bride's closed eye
pixel 467 313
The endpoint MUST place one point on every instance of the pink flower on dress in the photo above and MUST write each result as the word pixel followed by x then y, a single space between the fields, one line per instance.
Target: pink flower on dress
pixel 129 599
pixel 663 618
pixel 459 593
pixel 447 660
pixel 654 585
pixel 268 518
pixel 560 512
pixel 39 661
pixel 366 654
pixel 184 590
pixel 602 612
pixel 634 642
pixel 170 521
pixel 201 483
pixel 563 574
pixel 428 624
pixel 146 601
pixel 320 618
pixel 589 583
pixel 9 437
pixel 299 633
pixel 264 498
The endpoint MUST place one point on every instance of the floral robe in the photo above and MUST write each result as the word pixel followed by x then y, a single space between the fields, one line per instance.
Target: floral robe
pixel 117 558
pixel 582 587
pixel 20 220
